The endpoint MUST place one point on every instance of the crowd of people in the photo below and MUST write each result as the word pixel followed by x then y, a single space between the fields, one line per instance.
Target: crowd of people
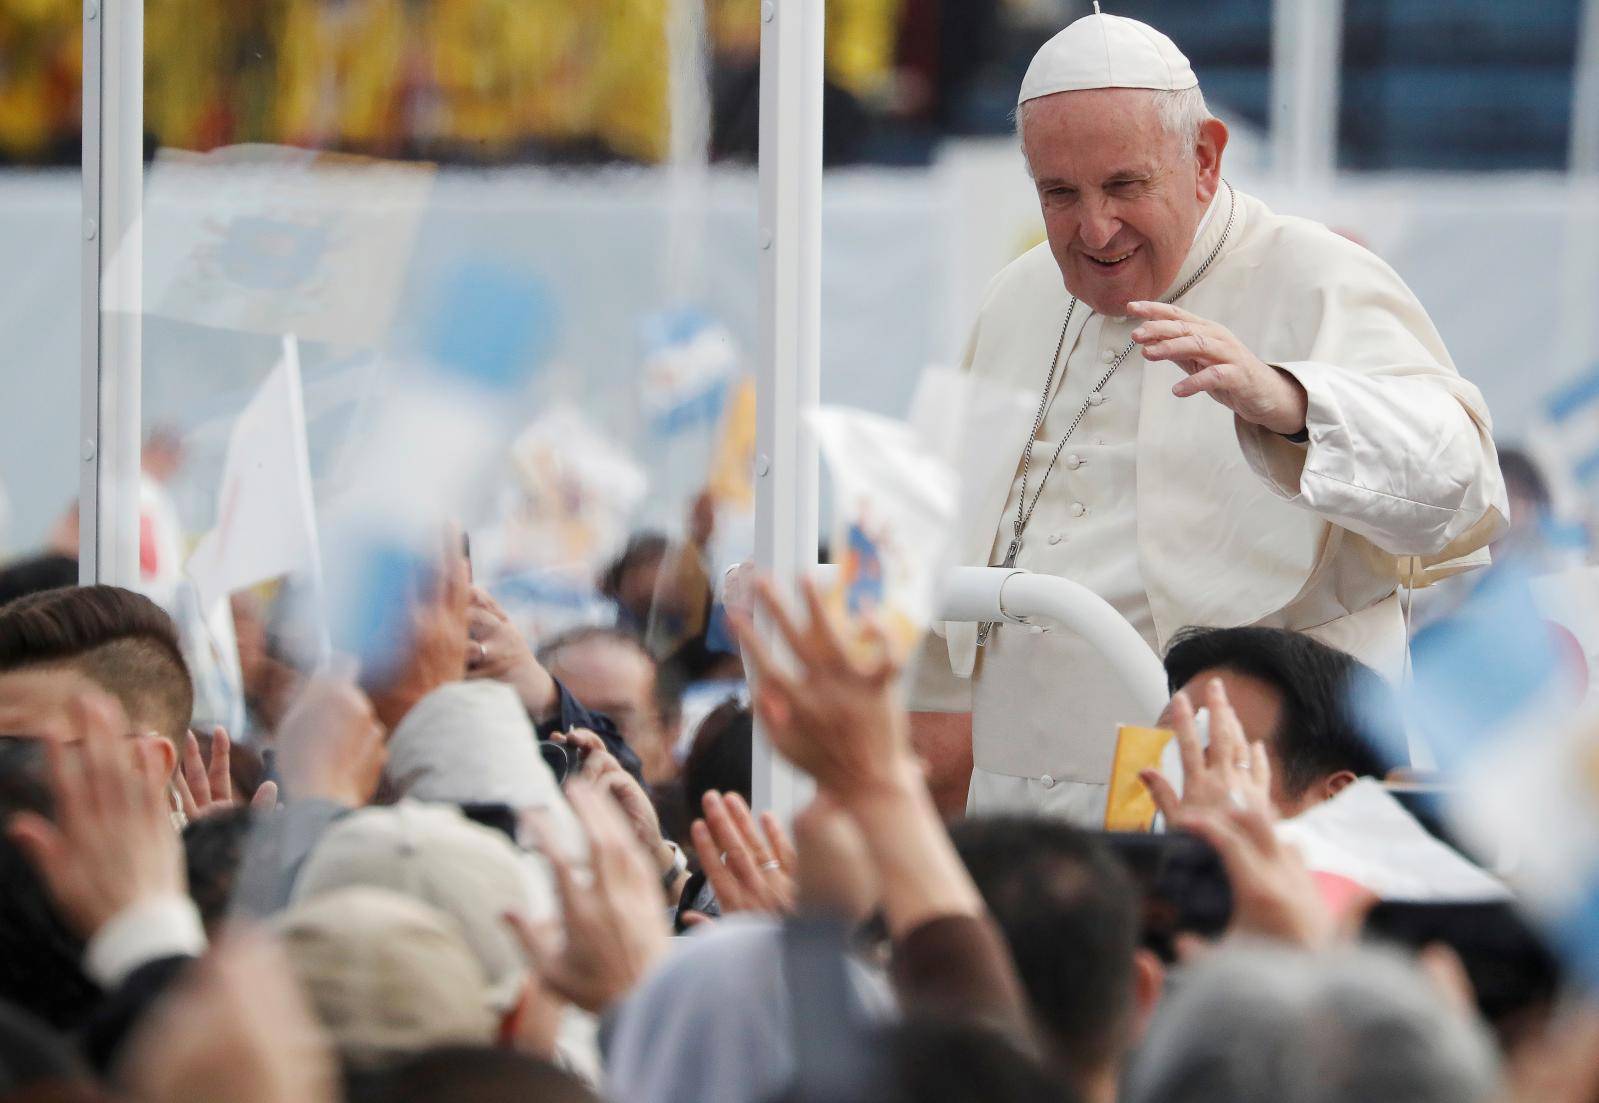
pixel 484 81
pixel 494 872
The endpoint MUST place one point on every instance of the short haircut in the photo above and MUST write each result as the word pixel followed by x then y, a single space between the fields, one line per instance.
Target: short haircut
pixel 668 703
pixel 1069 910
pixel 118 639
pixel 22 577
pixel 1330 699
pixel 1258 1023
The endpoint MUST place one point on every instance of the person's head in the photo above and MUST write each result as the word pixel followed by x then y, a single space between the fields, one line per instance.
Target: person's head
pixel 35 574
pixel 471 873
pixel 57 645
pixel 469 1074
pixel 1310 704
pixel 1070 913
pixel 471 743
pixel 610 671
pixel 719 757
pixel 1530 500
pixel 1124 174
pixel 386 974
pixel 1264 1024
pixel 630 579
pixel 213 848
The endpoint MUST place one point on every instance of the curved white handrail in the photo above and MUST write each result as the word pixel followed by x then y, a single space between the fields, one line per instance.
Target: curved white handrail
pixel 1022 597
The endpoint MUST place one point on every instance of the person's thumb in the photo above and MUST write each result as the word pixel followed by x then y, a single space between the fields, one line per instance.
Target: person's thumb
pixel 266 797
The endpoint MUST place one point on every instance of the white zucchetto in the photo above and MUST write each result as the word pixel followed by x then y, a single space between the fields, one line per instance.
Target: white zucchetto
pixel 1106 51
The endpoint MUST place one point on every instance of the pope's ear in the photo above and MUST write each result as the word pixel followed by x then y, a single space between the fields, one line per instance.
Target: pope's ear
pixel 1207 154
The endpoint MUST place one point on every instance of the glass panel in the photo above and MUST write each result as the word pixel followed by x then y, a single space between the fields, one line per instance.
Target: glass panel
pixel 40 222
pixel 516 295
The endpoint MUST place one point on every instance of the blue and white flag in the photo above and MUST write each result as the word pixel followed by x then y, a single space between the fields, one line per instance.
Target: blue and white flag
pixel 1495 696
pixel 690 364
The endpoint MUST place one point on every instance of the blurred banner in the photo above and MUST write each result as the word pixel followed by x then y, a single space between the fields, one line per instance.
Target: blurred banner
pixel 267 239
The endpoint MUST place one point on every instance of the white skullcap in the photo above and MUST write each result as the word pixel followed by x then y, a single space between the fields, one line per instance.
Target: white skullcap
pixel 1106 51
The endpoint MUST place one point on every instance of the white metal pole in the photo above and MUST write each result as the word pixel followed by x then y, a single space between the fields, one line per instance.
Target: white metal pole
pixel 1306 45
pixel 689 99
pixel 1584 160
pixel 789 372
pixel 113 254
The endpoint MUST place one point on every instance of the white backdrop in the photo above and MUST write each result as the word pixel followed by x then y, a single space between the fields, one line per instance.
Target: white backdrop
pixel 1507 265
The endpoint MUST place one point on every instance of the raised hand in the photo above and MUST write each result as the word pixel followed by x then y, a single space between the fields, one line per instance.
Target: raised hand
pixel 330 744
pixel 497 650
pixel 204 790
pixel 1274 895
pixel 436 653
pixel 1231 772
pixel 111 845
pixel 1217 363
pixel 605 773
pixel 614 924
pixel 751 869
pixel 841 719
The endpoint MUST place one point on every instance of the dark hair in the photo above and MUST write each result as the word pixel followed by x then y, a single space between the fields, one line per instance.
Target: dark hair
pixel 641 548
pixel 117 638
pixel 941 1061
pixel 719 757
pixel 1069 911
pixel 1521 471
pixel 1331 701
pixel 213 848
pixel 468 1074
pixel 36 574
pixel 40 957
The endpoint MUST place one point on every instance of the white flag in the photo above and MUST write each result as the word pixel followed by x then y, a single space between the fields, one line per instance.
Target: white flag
pixel 266 521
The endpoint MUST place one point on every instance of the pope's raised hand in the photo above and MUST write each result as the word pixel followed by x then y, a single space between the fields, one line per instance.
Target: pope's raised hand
pixel 1217 363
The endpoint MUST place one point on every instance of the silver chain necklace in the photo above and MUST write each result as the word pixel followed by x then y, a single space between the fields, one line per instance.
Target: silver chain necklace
pixel 1024 508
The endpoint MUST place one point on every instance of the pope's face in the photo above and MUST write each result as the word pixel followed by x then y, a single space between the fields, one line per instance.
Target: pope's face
pixel 1121 196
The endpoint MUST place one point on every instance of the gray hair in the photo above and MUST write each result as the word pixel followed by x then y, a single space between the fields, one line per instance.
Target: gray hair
pixel 1264 1024
pixel 1182 113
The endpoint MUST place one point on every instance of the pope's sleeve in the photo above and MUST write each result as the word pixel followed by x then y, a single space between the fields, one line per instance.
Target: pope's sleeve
pixel 1400 447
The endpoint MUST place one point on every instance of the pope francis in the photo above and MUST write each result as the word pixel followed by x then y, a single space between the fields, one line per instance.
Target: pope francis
pixel 1233 417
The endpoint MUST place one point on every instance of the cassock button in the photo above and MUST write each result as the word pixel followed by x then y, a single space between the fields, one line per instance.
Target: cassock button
pixel 1073 462
pixel 1047 781
pixel 1096 399
pixel 1054 538
pixel 1078 509
pixel 1108 355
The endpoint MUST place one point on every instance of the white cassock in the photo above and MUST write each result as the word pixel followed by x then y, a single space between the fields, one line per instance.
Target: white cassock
pixel 1177 513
